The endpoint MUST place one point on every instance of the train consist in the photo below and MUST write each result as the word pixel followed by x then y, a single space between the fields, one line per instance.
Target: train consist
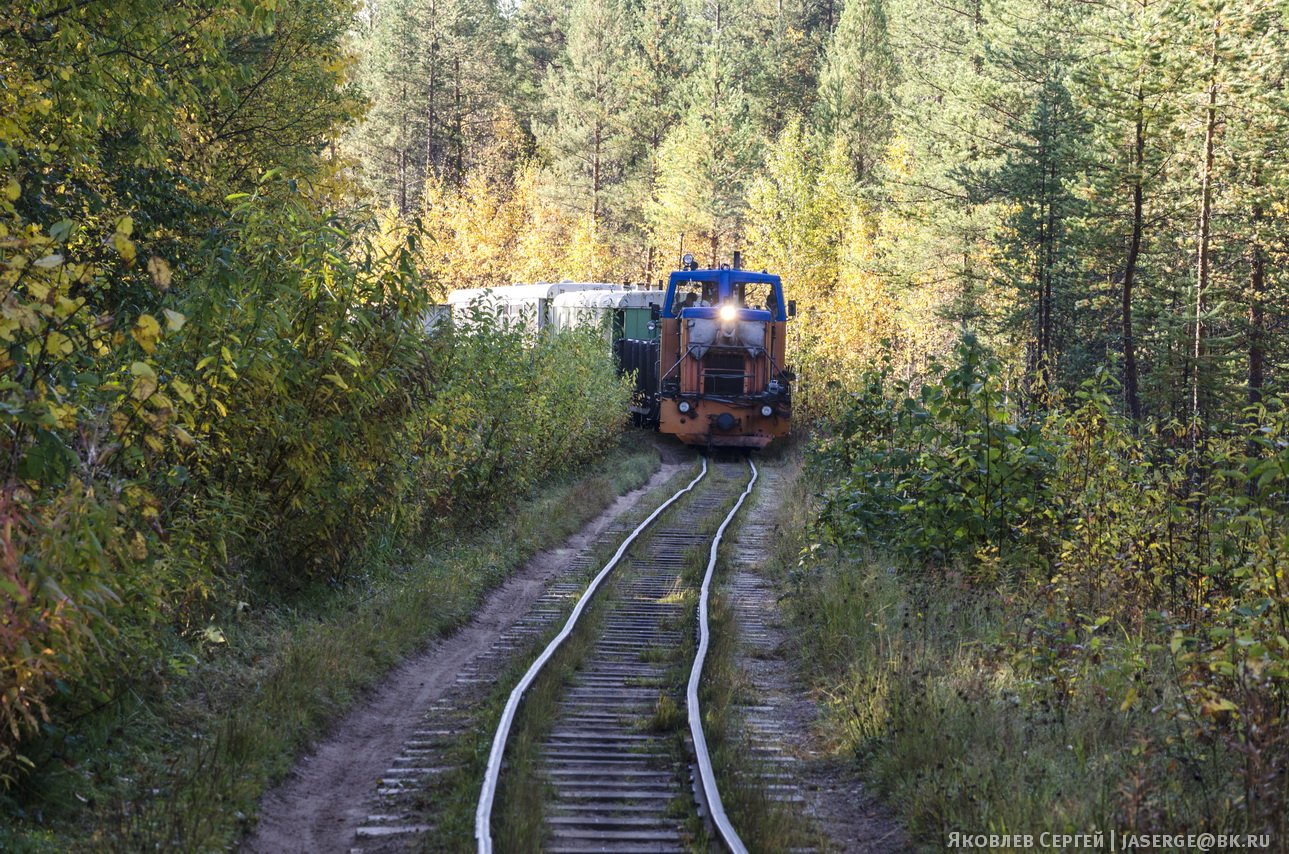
pixel 707 352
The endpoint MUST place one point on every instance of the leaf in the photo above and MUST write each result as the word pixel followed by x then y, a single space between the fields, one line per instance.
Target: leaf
pixel 48 262
pixel 174 320
pixel 145 380
pixel 124 247
pixel 213 634
pixel 147 332
pixel 184 391
pixel 144 387
pixel 62 230
pixel 159 270
pixel 1218 704
pixel 12 190
pixel 58 344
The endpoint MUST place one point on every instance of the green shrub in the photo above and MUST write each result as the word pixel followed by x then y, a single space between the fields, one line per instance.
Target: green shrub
pixel 287 408
pixel 944 475
pixel 1141 568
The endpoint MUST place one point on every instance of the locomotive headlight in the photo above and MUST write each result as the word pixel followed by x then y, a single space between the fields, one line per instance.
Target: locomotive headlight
pixel 684 407
pixel 767 411
pixel 728 313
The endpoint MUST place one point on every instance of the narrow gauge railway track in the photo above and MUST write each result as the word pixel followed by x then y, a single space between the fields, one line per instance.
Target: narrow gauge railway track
pixel 615 784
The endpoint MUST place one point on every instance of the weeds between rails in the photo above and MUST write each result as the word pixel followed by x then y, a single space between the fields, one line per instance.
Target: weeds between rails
pixel 522 825
pixel 459 790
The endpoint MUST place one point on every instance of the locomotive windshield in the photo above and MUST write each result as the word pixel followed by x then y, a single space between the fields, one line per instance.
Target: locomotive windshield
pixel 695 289
pixel 754 295
pixel 690 294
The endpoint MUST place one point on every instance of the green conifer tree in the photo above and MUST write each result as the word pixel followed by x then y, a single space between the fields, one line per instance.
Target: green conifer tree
pixel 857 84
pixel 707 161
pixel 585 141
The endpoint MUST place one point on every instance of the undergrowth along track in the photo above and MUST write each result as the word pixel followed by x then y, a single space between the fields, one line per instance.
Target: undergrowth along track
pixel 608 761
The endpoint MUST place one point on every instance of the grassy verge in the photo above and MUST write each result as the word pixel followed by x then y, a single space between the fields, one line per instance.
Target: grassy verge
pixel 183 765
pixel 967 716
pixel 763 823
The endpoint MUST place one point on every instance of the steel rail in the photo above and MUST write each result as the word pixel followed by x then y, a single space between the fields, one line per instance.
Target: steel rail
pixel 707 777
pixel 483 814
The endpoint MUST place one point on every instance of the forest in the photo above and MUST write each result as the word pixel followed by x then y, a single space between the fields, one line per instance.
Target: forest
pixel 1039 249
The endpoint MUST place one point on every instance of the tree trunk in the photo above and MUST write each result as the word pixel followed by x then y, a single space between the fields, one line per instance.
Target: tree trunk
pixel 431 99
pixel 1049 268
pixel 459 165
pixel 402 151
pixel 1130 386
pixel 1203 260
pixel 1257 308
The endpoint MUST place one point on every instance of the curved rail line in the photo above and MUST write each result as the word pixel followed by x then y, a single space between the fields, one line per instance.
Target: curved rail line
pixel 707 778
pixel 492 775
pixel 705 773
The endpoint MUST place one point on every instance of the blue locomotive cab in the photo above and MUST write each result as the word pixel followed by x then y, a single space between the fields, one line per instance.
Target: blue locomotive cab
pixel 704 293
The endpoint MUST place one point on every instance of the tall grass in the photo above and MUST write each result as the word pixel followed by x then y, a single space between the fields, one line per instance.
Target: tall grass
pixel 182 767
pixel 1031 620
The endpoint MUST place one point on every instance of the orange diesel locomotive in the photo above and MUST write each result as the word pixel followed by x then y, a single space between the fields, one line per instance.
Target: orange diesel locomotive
pixel 722 381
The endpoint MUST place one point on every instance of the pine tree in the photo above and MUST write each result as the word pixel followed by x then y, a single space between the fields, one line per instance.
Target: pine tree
pixel 945 218
pixel 781 51
pixel 434 72
pixel 1037 129
pixel 585 142
pixel 1261 187
pixel 537 34
pixel 658 58
pixel 707 161
pixel 857 84
pixel 386 143
pixel 1129 97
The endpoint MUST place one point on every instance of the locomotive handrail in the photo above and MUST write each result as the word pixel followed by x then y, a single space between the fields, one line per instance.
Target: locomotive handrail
pixel 677 365
pixel 492 774
pixel 706 775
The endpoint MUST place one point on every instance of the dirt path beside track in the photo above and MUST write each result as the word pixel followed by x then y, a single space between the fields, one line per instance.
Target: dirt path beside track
pixel 322 802
pixel 779 713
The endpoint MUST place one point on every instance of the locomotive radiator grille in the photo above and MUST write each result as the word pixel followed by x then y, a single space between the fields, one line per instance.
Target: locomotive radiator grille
pixel 725 373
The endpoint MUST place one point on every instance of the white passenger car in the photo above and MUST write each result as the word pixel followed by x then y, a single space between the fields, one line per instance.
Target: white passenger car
pixel 526 307
pixel 623 312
